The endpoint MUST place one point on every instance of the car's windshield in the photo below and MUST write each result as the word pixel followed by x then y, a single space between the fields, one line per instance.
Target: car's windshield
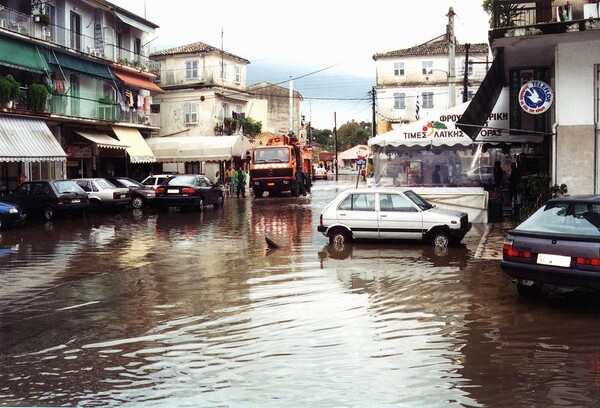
pixel 565 218
pixel 67 186
pixel 272 155
pixel 418 200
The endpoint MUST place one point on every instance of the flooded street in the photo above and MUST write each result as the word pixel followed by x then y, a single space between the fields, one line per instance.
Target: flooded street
pixel 189 309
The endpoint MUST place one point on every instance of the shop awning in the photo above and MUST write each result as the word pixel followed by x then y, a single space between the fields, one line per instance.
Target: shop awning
pixel 138 150
pixel 443 129
pixel 138 82
pixel 102 139
pixel 28 140
pixel 179 149
pixel 134 23
pixel 22 55
pixel 478 112
pixel 80 65
pixel 354 152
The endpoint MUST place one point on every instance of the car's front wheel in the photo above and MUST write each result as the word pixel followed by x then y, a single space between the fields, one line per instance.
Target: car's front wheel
pixel 2 225
pixel 440 238
pixel 48 213
pixel 137 202
pixel 340 236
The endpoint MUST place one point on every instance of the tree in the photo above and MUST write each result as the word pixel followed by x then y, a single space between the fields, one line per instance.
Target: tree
pixel 352 133
pixel 324 137
pixel 506 15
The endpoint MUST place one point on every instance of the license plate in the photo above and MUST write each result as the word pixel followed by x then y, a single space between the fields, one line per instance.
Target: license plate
pixel 75 200
pixel 173 191
pixel 554 260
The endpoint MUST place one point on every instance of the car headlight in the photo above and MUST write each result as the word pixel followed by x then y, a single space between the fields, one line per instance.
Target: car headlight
pixel 13 210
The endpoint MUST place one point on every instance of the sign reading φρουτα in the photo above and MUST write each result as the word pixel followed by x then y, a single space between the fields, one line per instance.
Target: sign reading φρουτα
pixel 536 97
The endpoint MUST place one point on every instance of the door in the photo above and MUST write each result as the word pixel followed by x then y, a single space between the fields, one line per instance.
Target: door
pixel 357 212
pixel 399 218
pixel 76 31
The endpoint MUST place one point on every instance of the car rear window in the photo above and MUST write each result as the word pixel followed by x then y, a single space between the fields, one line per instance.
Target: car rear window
pixel 565 218
pixel 182 181
pixel 67 186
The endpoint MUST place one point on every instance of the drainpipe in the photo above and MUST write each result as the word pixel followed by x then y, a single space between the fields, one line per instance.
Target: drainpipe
pixel 554 150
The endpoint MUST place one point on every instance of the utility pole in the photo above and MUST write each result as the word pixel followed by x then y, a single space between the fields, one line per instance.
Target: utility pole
pixel 291 105
pixel 451 41
pixel 466 75
pixel 374 126
pixel 335 152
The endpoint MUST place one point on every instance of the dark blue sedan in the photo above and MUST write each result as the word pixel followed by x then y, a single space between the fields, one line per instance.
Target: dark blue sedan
pixel 10 214
pixel 188 190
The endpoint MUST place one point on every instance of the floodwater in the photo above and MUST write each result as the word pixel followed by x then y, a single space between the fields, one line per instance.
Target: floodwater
pixel 190 309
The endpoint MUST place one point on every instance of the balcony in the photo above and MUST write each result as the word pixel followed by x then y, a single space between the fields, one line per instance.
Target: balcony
pixel 25 24
pixel 538 17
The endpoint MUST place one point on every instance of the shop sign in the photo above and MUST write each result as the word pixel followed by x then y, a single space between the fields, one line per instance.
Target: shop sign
pixel 535 97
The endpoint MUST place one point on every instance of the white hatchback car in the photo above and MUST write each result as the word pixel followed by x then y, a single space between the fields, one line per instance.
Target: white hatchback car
pixel 390 213
pixel 156 180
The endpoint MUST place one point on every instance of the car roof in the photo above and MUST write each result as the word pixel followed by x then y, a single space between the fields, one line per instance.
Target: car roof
pixel 581 198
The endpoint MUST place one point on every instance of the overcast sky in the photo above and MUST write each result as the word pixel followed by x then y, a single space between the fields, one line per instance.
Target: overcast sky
pixel 326 46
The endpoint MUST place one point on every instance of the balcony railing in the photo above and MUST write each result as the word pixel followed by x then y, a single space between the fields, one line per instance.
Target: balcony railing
pixel 517 13
pixel 25 24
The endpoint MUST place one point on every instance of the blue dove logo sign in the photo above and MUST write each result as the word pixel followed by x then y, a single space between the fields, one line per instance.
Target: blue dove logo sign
pixel 536 97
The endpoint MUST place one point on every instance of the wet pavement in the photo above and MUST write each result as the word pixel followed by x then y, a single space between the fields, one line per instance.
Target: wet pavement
pixel 191 309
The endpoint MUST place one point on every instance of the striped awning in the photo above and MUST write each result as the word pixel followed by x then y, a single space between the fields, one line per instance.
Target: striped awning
pixel 28 140
pixel 138 150
pixel 102 139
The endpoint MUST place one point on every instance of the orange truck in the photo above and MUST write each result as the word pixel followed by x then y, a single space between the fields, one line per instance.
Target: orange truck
pixel 281 164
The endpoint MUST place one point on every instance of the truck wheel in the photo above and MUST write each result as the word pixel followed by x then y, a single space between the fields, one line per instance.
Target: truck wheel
pixel 258 192
pixel 340 236
pixel 295 189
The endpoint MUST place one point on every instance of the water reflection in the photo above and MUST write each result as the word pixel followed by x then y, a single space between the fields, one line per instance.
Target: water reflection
pixel 190 309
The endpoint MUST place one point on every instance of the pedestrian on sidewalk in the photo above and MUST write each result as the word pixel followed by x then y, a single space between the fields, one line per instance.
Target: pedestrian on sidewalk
pixel 240 179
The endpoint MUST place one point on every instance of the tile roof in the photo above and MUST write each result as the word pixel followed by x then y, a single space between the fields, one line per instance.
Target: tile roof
pixel 437 46
pixel 194 48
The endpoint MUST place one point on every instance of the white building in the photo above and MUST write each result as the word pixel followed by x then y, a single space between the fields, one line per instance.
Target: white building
pixel 413 83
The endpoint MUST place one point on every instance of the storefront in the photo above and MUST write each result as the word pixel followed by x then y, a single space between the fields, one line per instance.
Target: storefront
pixel 92 153
pixel 28 151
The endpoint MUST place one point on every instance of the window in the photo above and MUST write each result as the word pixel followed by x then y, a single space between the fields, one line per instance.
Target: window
pixel 137 49
pixel 223 71
pixel 191 70
pixel 427 100
pixel 461 68
pixel 190 113
pixel 398 68
pixel 226 110
pixel 358 202
pixel 395 202
pixel 238 74
pixel 399 101
pixel 427 67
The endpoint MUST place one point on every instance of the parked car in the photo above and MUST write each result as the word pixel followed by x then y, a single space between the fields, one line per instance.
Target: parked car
pixel 141 195
pixel 49 198
pixel 104 194
pixel 390 213
pixel 188 190
pixel 558 245
pixel 10 215
pixel 156 180
pixel 319 173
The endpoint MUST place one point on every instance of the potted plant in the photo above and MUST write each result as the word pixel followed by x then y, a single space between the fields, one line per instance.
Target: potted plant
pixel 37 94
pixel 9 89
pixel 44 19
